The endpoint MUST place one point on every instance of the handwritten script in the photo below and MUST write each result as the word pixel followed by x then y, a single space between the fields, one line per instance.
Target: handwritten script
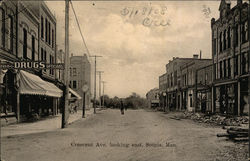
pixel 151 16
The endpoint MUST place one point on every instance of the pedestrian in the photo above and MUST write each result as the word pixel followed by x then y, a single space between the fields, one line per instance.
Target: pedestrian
pixel 122 108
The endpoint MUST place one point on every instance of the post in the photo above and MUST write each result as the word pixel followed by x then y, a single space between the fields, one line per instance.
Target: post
pixel 65 112
pixel 83 107
pixel 95 84
pixel 100 81
pixel 103 93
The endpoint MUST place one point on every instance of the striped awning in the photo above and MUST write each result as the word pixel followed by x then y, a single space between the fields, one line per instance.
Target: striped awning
pixel 34 85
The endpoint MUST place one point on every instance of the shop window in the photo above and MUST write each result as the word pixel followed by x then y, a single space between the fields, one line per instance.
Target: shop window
pixel 24 43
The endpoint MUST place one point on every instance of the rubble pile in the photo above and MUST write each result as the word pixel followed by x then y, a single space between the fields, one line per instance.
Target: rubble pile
pixel 215 119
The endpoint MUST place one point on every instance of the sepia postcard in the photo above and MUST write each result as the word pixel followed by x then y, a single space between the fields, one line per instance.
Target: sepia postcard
pixel 116 80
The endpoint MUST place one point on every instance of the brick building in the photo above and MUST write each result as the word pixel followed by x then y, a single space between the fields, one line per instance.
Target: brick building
pixel 80 75
pixel 187 97
pixel 153 98
pixel 230 53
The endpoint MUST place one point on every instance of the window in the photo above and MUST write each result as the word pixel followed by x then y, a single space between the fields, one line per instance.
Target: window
pixel 24 43
pixel 236 65
pixel 51 60
pixel 236 35
pixel 175 78
pixel 206 78
pixel 244 63
pixel 2 28
pixel 42 54
pixel 42 27
pixel 33 47
pixel 171 79
pixel 10 35
pixel 46 30
pixel 225 68
pixel 49 34
pixel 214 46
pixel 221 42
pixel 224 40
pixel 221 69
pixel 70 84
pixel 74 84
pixel 53 38
pixel 244 32
pixel 45 55
pixel 229 67
pixel 229 37
pixel 70 69
pixel 74 71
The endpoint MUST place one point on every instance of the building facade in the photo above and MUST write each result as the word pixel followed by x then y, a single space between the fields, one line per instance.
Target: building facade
pixel 80 75
pixel 153 99
pixel 162 91
pixel 188 89
pixel 230 53
pixel 204 84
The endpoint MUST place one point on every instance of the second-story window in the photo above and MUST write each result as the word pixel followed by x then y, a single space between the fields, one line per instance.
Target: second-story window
pixel 42 56
pixel 236 35
pixel 225 68
pixel 244 63
pixel 46 30
pixel 224 40
pixel 53 41
pixel 220 69
pixel 74 71
pixel 74 84
pixel 220 42
pixel 2 28
pixel 11 32
pixel 33 47
pixel 236 67
pixel 244 32
pixel 24 43
pixel 229 37
pixel 42 27
pixel 49 34
pixel 229 67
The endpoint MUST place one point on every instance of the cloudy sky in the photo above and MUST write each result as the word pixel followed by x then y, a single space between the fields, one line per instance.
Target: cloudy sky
pixel 137 39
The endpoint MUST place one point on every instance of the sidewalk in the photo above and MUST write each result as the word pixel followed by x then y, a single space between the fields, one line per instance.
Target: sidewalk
pixel 48 124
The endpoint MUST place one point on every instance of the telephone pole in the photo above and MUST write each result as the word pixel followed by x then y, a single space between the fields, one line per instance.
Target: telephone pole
pixel 65 112
pixel 100 80
pixel 95 56
pixel 103 82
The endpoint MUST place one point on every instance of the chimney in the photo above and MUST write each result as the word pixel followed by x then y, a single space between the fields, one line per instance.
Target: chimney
pixel 200 54
pixel 195 56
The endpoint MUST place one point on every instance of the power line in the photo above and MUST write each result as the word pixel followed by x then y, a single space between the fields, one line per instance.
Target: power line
pixel 84 42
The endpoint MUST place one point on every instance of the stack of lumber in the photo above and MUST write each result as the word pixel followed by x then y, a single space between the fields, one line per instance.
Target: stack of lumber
pixel 235 133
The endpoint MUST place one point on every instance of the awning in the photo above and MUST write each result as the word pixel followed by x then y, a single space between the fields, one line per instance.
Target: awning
pixel 34 85
pixel 74 93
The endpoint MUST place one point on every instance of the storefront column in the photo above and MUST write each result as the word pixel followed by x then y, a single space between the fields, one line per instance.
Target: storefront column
pixel 18 107
pixel 213 100
pixel 181 100
pixel 238 98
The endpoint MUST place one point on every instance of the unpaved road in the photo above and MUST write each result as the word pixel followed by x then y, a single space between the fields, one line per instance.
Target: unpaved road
pixel 139 135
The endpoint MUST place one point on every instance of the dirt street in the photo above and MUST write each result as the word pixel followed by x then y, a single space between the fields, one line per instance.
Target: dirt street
pixel 139 135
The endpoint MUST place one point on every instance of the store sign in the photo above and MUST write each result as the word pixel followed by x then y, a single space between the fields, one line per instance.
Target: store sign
pixel 30 65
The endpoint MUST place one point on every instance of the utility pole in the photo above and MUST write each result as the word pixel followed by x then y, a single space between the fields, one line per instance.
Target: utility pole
pixel 95 56
pixel 103 82
pixel 100 80
pixel 65 112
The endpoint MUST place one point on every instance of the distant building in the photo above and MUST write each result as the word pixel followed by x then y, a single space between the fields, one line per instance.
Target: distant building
pixel 230 53
pixel 80 75
pixel 153 98
pixel 60 59
pixel 204 83
pixel 162 90
pixel 187 97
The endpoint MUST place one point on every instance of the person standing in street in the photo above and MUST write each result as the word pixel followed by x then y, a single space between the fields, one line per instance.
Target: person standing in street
pixel 122 107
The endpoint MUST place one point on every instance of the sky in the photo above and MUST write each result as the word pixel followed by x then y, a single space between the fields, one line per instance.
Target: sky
pixel 136 39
